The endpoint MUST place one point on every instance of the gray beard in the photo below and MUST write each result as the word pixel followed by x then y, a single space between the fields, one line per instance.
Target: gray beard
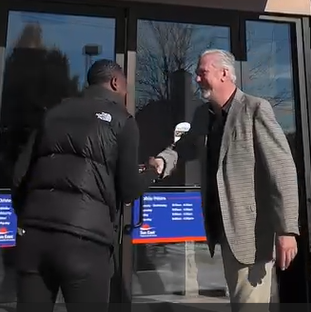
pixel 206 94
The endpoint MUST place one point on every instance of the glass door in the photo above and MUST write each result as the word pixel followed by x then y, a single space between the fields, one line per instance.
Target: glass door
pixel 47 54
pixel 270 71
pixel 161 264
pixel 167 260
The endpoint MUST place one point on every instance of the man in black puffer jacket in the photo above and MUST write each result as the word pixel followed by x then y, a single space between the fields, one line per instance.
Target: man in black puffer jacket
pixel 68 185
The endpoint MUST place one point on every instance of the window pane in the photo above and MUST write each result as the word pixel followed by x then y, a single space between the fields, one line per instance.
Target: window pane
pixel 166 92
pixel 43 66
pixel 45 62
pixel 268 71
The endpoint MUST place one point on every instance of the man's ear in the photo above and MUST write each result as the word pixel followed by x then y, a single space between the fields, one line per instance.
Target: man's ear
pixel 225 73
pixel 114 84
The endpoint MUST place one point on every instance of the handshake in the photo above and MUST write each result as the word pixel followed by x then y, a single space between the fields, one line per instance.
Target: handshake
pixel 158 164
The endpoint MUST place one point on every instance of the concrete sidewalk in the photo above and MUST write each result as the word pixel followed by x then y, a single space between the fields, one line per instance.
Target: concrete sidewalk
pixel 154 305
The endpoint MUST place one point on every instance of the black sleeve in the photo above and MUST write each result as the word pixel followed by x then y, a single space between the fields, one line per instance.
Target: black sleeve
pixel 130 183
pixel 187 146
pixel 20 173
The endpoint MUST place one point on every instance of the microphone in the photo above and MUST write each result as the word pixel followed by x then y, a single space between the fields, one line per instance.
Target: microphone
pixel 180 130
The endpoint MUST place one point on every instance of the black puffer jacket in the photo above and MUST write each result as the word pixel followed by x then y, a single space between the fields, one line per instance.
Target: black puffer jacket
pixel 84 163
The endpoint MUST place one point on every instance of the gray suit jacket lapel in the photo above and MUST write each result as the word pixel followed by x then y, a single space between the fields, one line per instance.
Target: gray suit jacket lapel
pixel 236 106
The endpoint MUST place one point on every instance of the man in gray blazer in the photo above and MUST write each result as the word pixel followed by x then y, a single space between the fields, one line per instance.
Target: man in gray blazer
pixel 249 181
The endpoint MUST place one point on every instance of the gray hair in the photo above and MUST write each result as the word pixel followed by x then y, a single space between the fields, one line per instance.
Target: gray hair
pixel 226 60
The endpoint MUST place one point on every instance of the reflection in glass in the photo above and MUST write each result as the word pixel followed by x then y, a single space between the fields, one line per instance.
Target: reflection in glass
pixel 167 94
pixel 177 269
pixel 268 74
pixel 164 48
pixel 43 67
pixel 47 56
pixel 166 91
pixel 268 70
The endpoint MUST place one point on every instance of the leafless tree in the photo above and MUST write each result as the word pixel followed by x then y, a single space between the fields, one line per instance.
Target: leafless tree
pixel 164 48
pixel 262 72
pixel 263 76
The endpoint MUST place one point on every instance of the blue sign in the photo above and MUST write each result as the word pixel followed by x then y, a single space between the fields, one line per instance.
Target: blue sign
pixel 8 222
pixel 169 217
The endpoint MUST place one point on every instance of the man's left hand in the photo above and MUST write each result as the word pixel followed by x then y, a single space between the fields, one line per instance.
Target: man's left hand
pixel 286 251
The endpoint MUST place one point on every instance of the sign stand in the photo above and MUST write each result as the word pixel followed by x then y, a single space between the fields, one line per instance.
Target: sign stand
pixel 191 271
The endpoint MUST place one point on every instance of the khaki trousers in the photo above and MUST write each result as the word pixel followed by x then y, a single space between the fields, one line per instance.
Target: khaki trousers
pixel 248 285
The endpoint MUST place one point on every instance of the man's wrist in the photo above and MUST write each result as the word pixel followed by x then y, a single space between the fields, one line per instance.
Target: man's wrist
pixel 161 174
pixel 287 234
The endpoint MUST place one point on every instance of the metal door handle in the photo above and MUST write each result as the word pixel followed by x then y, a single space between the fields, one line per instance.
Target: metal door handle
pixel 140 215
pixel 129 227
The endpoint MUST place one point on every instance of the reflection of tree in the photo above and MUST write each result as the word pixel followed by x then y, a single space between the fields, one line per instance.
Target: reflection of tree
pixel 267 72
pixel 163 49
pixel 35 79
pixel 262 76
pixel 166 48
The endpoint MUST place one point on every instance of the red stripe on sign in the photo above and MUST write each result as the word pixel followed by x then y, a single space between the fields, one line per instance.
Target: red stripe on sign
pixel 168 240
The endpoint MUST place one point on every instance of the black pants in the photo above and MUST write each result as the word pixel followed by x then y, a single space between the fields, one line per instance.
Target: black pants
pixel 48 261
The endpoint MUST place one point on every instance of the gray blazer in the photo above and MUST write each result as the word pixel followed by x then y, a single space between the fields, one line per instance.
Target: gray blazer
pixel 257 180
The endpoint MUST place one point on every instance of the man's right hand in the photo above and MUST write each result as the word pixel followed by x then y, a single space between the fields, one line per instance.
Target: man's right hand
pixel 157 163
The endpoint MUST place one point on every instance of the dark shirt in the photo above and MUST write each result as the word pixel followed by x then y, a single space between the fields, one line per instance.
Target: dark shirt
pixel 216 128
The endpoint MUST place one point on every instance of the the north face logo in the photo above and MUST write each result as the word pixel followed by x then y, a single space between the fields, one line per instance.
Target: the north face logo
pixel 104 116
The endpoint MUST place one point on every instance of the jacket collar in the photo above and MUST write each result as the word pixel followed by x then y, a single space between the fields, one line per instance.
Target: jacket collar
pixel 229 130
pixel 225 109
pixel 101 93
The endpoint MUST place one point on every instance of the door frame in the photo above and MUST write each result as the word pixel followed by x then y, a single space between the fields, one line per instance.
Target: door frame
pixel 300 38
pixel 176 14
pixel 301 81
pixel 300 56
pixel 127 14
pixel 85 9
